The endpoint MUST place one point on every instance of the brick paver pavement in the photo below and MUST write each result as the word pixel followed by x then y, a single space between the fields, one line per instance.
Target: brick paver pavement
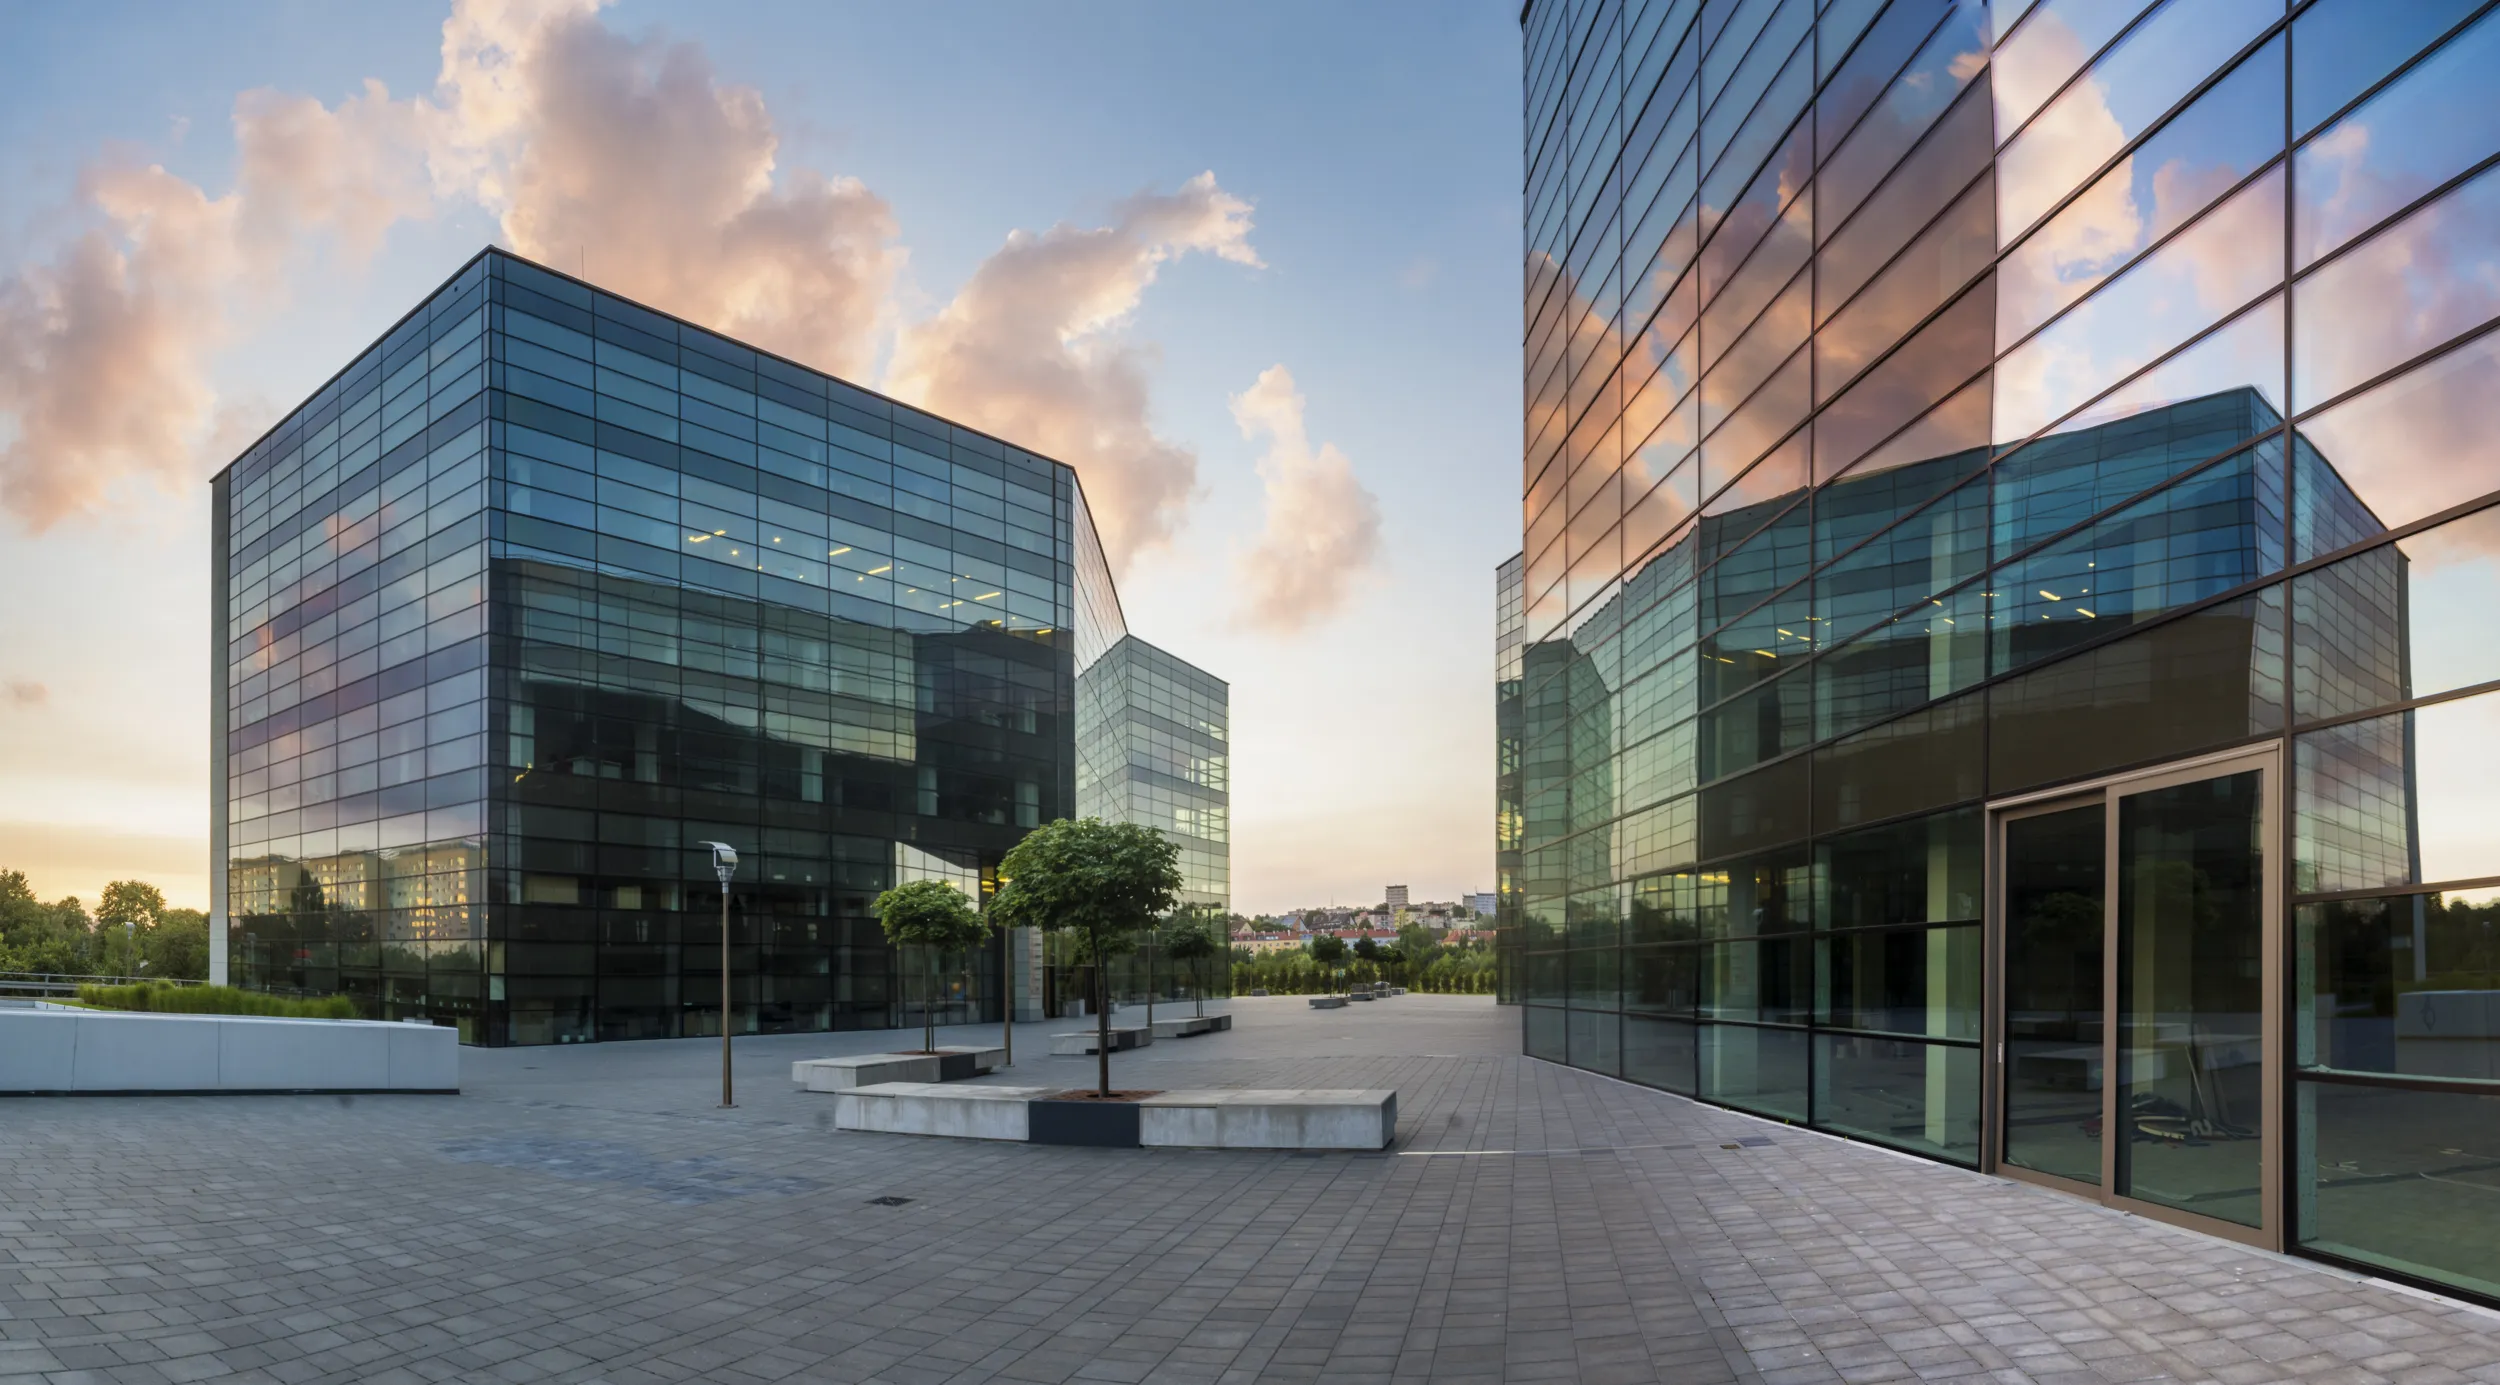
pixel 584 1214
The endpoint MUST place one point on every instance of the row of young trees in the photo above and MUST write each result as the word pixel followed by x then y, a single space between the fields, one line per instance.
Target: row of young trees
pixel 131 932
pixel 1322 969
pixel 1100 884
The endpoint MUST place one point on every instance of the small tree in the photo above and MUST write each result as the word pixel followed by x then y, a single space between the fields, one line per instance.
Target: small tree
pixel 1329 952
pixel 1101 883
pixel 1193 942
pixel 935 917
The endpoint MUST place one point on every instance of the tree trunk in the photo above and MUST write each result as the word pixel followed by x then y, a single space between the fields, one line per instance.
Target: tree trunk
pixel 1102 1022
pixel 928 1004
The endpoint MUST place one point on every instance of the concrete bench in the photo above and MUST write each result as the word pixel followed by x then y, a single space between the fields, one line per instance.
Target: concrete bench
pixel 1360 995
pixel 931 1108
pixel 864 1070
pixel 1327 1002
pixel 1086 1040
pixel 1218 1024
pixel 959 1061
pixel 1287 1118
pixel 1183 1028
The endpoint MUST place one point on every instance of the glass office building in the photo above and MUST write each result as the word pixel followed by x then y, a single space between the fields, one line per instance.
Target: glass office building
pixel 1152 733
pixel 546 590
pixel 2001 666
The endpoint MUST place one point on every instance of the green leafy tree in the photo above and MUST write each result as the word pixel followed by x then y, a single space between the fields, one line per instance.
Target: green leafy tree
pixel 936 918
pixel 1193 943
pixel 129 910
pixel 1330 953
pixel 177 948
pixel 1099 883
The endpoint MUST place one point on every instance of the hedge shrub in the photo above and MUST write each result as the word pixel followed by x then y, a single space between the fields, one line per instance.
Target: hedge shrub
pixel 159 998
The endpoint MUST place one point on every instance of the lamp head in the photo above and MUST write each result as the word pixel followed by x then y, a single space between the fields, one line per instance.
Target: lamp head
pixel 724 860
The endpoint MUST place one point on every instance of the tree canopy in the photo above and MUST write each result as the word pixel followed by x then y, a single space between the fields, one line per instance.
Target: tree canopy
pixel 937 918
pixel 1100 882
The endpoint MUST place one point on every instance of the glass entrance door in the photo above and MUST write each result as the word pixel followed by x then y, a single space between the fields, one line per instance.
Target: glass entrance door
pixel 2136 964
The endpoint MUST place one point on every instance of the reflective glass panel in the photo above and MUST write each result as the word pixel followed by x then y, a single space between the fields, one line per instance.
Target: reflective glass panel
pixel 1926 870
pixel 2057 39
pixel 2055 873
pixel 2401 1179
pixel 1921 981
pixel 2410 447
pixel 2191 996
pixel 2375 628
pixel 2227 258
pixel 1659 1052
pixel 2230 131
pixel 2130 87
pixel 2431 124
pixel 1916 1096
pixel 1761 1070
pixel 2427 278
pixel 2400 984
pixel 2342 46
pixel 2408 798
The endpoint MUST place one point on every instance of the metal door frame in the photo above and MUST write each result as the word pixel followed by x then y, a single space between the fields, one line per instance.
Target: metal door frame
pixel 2108 791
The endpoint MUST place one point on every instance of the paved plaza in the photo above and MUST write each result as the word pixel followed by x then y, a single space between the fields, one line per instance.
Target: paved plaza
pixel 586 1214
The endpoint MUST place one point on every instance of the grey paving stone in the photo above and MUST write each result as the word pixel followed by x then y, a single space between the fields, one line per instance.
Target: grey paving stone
pixel 589 1215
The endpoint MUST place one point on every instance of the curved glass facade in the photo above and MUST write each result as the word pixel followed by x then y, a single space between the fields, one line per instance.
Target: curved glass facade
pixel 548 589
pixel 1934 411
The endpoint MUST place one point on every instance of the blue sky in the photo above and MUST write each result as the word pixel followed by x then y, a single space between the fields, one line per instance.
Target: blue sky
pixel 1376 147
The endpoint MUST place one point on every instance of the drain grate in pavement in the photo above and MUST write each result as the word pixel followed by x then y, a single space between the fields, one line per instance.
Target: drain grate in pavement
pixel 888 1201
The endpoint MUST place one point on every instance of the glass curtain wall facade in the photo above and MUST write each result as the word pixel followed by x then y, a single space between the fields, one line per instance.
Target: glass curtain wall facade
pixel 1152 736
pixel 547 589
pixel 1931 404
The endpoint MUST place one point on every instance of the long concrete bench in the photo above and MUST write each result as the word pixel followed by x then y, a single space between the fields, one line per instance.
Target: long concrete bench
pixel 1188 1027
pixel 932 1108
pixel 1327 1002
pixel 1289 1118
pixel 1086 1040
pixel 58 1049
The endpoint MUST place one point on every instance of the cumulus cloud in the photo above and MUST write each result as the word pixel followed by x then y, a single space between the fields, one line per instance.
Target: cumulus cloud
pixel 1322 525
pixel 25 692
pixel 103 350
pixel 583 142
pixel 1030 348
pixel 631 157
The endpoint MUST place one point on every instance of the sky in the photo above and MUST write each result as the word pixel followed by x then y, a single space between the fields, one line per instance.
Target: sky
pixel 1251 269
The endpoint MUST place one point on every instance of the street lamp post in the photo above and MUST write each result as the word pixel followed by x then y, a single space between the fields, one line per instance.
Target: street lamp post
pixel 724 865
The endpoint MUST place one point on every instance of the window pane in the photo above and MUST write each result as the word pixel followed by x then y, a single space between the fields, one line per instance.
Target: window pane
pixel 2065 478
pixel 1922 1097
pixel 2410 447
pixel 2433 123
pixel 1763 348
pixel 2393 1177
pixel 1926 870
pixel 1926 760
pixel 1659 1052
pixel 2196 683
pixel 2213 531
pixel 1941 166
pixel 1761 1070
pixel 1939 262
pixel 2401 984
pixel 1946 352
pixel 1950 60
pixel 2226 135
pixel 2409 798
pixel 2354 622
pixel 2427 278
pixel 2057 40
pixel 2226 259
pixel 2340 47
pixel 1922 981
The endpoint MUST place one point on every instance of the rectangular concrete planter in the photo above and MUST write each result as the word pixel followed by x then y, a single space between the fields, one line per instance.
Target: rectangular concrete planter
pixel 1360 995
pixel 66 1050
pixel 1292 1118
pixel 1327 1002
pixel 1183 1028
pixel 864 1070
pixel 1085 1041
pixel 930 1108
pixel 1099 1124
pixel 1218 1024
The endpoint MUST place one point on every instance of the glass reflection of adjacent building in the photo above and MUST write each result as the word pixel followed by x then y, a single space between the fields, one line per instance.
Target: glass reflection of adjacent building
pixel 545 590
pixel 1951 707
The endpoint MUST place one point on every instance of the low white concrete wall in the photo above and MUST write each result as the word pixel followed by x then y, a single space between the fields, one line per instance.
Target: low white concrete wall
pixel 985 1057
pixel 933 1108
pixel 65 1050
pixel 1184 1028
pixel 1291 1118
